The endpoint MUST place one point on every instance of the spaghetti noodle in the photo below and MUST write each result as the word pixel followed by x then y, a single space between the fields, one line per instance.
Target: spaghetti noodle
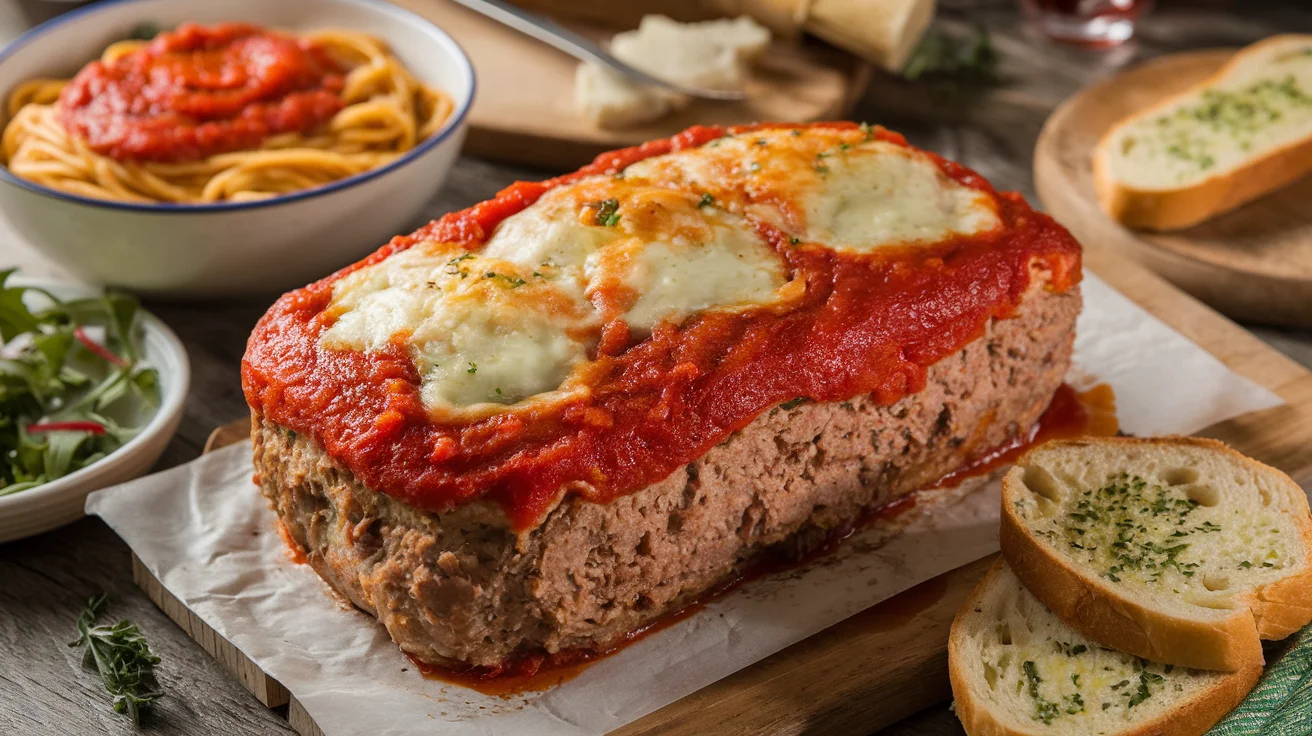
pixel 350 106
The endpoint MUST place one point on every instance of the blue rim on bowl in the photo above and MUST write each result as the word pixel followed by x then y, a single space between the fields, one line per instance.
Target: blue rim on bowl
pixel 451 126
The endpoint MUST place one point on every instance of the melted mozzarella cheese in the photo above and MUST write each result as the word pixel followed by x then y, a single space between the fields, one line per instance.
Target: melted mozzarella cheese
pixel 881 194
pixel 677 279
pixel 552 234
pixel 666 256
pixel 480 330
pixel 668 239
pixel 516 319
pixel 835 187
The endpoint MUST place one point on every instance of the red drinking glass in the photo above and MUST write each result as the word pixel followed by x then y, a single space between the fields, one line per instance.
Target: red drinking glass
pixel 1086 22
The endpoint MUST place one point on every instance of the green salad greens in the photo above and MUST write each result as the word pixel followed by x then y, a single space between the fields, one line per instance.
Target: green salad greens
pixel 73 388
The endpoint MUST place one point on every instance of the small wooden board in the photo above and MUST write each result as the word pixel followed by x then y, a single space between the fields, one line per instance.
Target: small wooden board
pixel 524 107
pixel 1253 264
pixel 889 661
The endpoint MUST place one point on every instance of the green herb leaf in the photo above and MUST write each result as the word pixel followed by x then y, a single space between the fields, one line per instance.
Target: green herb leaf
pixel 50 376
pixel 122 657
pixel 15 318
pixel 607 213
pixel 953 64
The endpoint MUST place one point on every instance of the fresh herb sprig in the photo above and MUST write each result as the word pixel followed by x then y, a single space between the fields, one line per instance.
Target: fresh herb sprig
pixel 120 654
pixel 608 213
pixel 67 397
pixel 953 64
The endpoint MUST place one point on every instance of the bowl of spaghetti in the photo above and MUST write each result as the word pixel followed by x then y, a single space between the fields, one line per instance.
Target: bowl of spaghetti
pixel 192 149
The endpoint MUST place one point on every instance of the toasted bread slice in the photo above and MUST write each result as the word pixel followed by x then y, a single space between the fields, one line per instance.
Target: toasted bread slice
pixel 1178 550
pixel 1017 670
pixel 1243 132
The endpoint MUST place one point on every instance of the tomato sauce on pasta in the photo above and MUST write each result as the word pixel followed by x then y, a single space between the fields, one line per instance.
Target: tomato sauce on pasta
pixel 230 112
pixel 198 91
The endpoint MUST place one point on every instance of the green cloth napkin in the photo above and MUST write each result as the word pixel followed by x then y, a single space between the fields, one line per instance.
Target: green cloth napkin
pixel 1281 704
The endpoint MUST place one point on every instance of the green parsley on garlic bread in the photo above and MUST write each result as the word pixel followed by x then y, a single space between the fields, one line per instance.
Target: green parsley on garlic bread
pixel 1178 549
pixel 1017 670
pixel 1241 133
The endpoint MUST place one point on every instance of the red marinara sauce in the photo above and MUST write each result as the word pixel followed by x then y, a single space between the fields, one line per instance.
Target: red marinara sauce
pixel 869 323
pixel 201 90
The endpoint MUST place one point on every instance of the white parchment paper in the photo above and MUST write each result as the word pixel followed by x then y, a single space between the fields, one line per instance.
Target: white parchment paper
pixel 204 530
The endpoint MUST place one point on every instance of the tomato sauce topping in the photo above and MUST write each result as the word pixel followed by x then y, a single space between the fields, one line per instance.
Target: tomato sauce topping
pixel 868 323
pixel 201 90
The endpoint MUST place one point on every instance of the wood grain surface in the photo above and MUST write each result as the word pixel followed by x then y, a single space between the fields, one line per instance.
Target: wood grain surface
pixel 524 110
pixel 1254 263
pixel 44 690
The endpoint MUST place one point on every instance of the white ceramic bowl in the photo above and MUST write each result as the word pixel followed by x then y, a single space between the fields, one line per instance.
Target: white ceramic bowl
pixel 61 501
pixel 196 251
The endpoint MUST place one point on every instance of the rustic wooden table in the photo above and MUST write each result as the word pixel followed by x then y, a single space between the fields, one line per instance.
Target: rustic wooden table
pixel 44 581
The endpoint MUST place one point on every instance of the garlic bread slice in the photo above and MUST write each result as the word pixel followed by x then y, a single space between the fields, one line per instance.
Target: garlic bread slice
pixel 1017 670
pixel 1178 550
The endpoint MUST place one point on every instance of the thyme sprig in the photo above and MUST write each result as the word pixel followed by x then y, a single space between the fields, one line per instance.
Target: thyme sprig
pixel 120 654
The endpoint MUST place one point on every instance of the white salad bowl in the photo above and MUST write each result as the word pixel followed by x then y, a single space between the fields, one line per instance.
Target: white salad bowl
pixel 61 501
pixel 197 251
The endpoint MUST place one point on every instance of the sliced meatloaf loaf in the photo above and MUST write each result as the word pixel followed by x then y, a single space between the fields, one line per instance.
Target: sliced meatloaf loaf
pixel 463 587
pixel 540 424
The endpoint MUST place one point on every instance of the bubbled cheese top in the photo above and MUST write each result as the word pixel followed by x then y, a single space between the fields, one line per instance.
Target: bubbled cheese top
pixel 663 240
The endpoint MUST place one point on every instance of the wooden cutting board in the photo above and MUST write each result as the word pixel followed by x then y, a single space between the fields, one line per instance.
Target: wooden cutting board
pixel 524 106
pixel 890 660
pixel 1253 264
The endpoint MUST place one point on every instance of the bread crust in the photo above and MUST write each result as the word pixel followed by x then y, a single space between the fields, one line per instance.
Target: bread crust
pixel 1176 209
pixel 979 719
pixel 1100 611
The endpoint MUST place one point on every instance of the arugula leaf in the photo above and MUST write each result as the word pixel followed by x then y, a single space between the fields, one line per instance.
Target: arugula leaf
pixel 15 319
pixel 61 447
pixel 56 377
pixel 145 383
pixel 122 310
pixel 54 346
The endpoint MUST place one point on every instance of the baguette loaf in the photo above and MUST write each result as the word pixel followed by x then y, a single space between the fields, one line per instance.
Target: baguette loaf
pixel 1016 670
pixel 1241 133
pixel 1178 550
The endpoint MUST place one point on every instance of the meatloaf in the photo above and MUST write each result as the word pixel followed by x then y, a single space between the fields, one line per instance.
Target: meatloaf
pixel 715 362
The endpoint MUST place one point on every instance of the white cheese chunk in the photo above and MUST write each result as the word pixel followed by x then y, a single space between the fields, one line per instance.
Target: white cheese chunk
pixel 712 54
pixel 610 100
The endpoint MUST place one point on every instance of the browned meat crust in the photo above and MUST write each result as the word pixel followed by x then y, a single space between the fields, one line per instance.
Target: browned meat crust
pixel 461 588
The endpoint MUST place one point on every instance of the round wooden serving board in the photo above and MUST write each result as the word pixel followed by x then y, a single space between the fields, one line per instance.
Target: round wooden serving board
pixel 1254 264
